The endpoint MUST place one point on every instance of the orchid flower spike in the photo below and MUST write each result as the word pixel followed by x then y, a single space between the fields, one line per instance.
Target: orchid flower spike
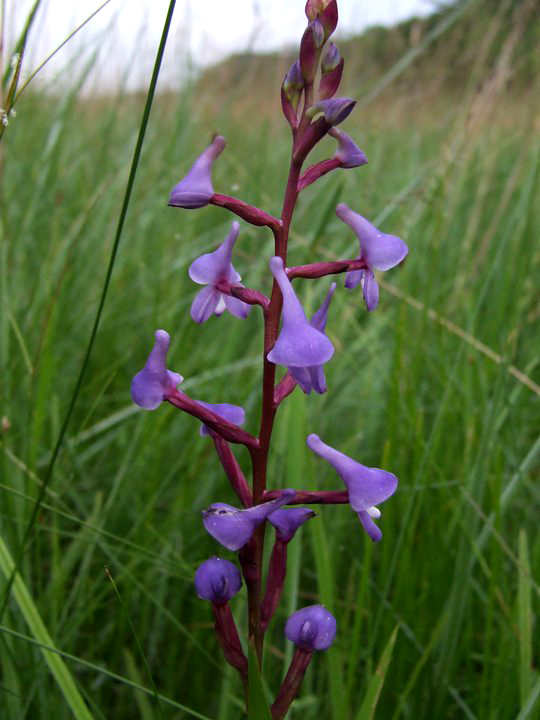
pixel 311 628
pixel 231 413
pixel 196 190
pixel 286 521
pixel 348 152
pixel 232 527
pixel 217 580
pixel 379 251
pixel 301 346
pixel 367 486
pixel 154 382
pixel 335 110
pixel 211 269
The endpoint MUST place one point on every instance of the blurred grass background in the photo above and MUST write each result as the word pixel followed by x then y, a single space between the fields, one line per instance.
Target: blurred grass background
pixel 440 386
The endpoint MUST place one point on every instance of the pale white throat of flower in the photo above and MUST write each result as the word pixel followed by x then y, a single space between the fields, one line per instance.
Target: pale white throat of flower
pixel 374 512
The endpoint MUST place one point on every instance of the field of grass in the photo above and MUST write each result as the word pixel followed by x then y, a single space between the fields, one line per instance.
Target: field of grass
pixel 439 386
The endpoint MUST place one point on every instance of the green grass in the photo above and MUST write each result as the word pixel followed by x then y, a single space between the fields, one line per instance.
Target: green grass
pixel 428 387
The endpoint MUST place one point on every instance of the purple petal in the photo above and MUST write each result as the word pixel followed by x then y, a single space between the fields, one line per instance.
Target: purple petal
pixel 381 251
pixel 196 189
pixel 232 413
pixel 236 307
pixel 335 110
pixel 310 378
pixel 353 278
pixel 366 486
pixel 298 344
pixel 232 527
pixel 287 521
pixel 212 268
pixel 318 321
pixel 311 628
pixel 302 377
pixel 369 526
pixel 151 385
pixel 348 153
pixel 217 580
pixel 370 290
pixel 205 303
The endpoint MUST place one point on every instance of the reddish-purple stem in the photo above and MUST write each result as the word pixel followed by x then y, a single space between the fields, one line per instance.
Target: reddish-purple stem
pixel 227 430
pixel 321 269
pixel 277 570
pixel 306 497
pixel 290 686
pixel 250 213
pixel 233 471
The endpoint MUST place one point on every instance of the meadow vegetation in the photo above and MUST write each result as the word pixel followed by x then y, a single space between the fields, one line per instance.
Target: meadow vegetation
pixel 439 386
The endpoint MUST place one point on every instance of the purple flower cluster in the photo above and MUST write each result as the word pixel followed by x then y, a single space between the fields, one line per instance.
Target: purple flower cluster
pixel 296 350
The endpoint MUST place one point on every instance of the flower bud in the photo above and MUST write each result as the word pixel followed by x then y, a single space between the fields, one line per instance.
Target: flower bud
pixel 330 59
pixel 335 110
pixel 294 81
pixel 324 10
pixel 311 628
pixel 217 580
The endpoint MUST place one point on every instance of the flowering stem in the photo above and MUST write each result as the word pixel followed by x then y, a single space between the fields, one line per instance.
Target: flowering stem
pixel 275 579
pixel 230 642
pixel 249 213
pixel 290 686
pixel 233 471
pixel 321 269
pixel 305 497
pixel 228 431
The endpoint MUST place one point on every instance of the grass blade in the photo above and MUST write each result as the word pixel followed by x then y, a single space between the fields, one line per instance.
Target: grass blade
pixel 37 627
pixel 369 705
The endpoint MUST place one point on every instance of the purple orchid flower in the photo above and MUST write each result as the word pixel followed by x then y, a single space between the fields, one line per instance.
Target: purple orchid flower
pixel 217 580
pixel 311 628
pixel 154 382
pixel 379 250
pixel 211 269
pixel 367 486
pixel 301 346
pixel 348 152
pixel 232 527
pixel 335 110
pixel 196 190
pixel 232 413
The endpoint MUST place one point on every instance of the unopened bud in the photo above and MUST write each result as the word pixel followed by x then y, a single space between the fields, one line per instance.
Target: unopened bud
pixel 217 580
pixel 318 32
pixel 311 628
pixel 330 59
pixel 294 81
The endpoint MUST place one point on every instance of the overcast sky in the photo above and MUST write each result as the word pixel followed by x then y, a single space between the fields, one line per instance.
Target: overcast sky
pixel 125 34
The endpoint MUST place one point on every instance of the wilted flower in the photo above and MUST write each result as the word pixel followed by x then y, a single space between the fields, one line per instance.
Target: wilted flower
pixel 367 486
pixel 348 153
pixel 217 580
pixel 379 251
pixel 211 269
pixel 311 628
pixel 301 347
pixel 154 382
pixel 196 190
pixel 232 527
